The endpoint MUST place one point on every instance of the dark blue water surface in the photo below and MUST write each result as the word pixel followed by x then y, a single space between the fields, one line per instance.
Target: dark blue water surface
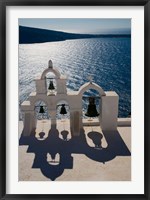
pixel 107 60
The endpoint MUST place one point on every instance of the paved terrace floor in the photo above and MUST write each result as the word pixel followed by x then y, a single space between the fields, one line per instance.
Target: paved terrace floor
pixel 52 155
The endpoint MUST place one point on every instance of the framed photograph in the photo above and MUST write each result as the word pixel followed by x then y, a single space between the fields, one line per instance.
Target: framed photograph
pixel 74 99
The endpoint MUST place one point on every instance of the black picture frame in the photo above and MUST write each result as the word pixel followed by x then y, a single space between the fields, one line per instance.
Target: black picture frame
pixel 3 96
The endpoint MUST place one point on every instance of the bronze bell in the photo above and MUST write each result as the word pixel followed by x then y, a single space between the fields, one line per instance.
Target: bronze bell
pixel 91 111
pixel 63 110
pixel 41 110
pixel 51 86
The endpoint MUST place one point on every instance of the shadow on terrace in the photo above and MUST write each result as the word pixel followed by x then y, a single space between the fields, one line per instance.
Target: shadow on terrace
pixel 53 154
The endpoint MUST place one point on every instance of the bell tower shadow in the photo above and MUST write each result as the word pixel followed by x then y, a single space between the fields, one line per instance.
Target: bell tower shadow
pixel 54 145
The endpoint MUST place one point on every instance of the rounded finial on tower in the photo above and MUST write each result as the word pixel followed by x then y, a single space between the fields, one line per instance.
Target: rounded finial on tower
pixel 50 64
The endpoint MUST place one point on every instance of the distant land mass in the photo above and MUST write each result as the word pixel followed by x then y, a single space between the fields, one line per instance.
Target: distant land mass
pixel 28 35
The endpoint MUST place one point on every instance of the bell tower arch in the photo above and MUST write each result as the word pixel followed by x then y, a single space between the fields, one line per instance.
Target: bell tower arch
pixel 108 106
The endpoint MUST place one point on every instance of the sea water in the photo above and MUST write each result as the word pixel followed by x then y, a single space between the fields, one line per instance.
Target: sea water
pixel 106 60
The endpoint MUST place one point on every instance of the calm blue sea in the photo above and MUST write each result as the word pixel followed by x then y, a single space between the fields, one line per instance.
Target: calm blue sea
pixel 107 60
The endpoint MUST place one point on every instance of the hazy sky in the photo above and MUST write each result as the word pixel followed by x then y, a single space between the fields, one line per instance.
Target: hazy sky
pixel 84 25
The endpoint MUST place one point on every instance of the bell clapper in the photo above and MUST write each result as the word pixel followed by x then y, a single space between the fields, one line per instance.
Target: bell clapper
pixel 51 88
pixel 63 112
pixel 91 111
pixel 42 111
